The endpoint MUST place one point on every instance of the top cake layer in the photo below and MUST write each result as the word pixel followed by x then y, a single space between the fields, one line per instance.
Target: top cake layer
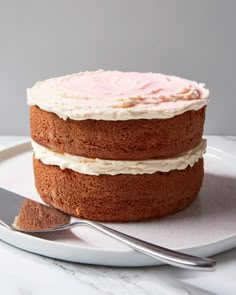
pixel 113 95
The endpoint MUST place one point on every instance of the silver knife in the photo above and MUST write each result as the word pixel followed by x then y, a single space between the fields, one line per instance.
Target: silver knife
pixel 31 217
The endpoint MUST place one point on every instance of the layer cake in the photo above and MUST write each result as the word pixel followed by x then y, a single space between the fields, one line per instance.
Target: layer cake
pixel 118 146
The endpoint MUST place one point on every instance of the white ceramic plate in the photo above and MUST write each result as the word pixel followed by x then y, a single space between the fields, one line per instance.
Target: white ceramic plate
pixel 205 228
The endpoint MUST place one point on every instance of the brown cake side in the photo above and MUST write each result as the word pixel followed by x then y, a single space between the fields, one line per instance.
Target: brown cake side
pixel 121 197
pixel 118 140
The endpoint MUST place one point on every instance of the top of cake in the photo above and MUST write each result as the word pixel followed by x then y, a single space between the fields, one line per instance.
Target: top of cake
pixel 114 95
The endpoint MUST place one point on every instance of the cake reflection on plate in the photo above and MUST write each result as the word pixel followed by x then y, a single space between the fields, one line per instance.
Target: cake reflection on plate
pixel 36 216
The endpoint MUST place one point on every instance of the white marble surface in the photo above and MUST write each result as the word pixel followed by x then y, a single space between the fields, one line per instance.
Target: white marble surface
pixel 26 273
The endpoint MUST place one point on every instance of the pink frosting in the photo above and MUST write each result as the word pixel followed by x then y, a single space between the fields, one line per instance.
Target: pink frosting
pixel 113 95
pixel 145 87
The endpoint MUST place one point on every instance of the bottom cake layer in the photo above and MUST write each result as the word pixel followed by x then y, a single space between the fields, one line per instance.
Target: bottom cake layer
pixel 121 197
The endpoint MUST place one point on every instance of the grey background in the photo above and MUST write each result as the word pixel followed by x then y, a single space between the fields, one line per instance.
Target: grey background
pixel 47 38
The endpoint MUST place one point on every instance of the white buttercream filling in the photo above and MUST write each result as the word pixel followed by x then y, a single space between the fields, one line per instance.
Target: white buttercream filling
pixel 91 166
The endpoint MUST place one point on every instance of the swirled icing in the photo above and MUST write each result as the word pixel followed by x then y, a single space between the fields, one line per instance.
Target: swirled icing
pixel 114 95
